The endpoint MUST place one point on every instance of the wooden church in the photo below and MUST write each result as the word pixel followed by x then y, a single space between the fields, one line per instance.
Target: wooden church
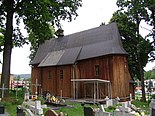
pixel 87 64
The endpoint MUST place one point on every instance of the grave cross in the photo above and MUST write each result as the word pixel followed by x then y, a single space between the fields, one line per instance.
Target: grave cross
pixel 3 89
pixel 36 85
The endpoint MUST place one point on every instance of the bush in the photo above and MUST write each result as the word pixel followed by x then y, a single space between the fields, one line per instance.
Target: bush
pixel 110 108
pixel 153 96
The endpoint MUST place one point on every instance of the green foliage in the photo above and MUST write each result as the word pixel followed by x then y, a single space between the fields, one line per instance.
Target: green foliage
pixel 149 74
pixel 1 40
pixel 36 40
pixel 134 8
pixel 38 16
pixel 141 10
pixel 150 6
pixel 138 49
pixel 153 96
pixel 135 12
pixel 143 106
pixel 110 109
pixel 41 99
pixel 10 103
pixel 45 15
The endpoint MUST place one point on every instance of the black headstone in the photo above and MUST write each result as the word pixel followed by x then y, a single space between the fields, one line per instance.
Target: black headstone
pixel 153 112
pixel 88 111
pixel 20 112
pixel 2 110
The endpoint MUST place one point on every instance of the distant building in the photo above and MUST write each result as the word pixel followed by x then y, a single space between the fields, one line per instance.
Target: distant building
pixel 20 84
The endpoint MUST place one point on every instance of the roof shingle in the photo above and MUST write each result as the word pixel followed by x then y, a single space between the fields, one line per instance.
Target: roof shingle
pixel 103 40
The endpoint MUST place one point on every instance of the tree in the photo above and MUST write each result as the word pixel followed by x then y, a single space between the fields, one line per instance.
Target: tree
pixel 149 74
pixel 150 7
pixel 35 42
pixel 37 16
pixel 137 47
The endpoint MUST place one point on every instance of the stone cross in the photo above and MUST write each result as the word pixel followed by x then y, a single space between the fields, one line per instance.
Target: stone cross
pixel 17 90
pixel 27 94
pixel 3 89
pixel 36 85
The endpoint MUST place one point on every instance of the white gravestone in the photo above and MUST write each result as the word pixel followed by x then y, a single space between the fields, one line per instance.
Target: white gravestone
pixel 27 95
pixel 38 108
pixel 108 102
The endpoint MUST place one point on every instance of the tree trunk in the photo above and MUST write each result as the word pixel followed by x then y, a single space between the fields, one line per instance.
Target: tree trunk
pixel 7 46
pixel 142 82
pixel 141 71
pixel 153 23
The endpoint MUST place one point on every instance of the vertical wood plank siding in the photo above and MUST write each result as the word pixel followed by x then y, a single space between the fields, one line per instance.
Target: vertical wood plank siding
pixel 121 77
pixel 87 71
pixel 111 67
pixel 36 74
pixel 55 85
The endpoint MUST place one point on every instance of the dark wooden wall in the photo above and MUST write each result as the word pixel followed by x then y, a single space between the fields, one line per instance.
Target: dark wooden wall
pixel 87 71
pixel 54 84
pixel 111 67
pixel 35 74
pixel 121 77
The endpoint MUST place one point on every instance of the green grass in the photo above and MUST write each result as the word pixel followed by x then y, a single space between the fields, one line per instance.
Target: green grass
pixel 75 110
pixel 11 104
pixel 143 106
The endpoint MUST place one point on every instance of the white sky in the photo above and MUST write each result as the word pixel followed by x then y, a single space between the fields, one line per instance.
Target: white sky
pixel 91 14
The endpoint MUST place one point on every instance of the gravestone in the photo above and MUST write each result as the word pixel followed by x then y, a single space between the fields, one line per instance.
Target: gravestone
pixel 33 108
pixel 109 102
pixel 152 108
pixel 88 111
pixel 20 112
pixel 2 109
pixel 38 108
pixel 27 95
pixel 53 113
pixel 115 101
pixel 48 97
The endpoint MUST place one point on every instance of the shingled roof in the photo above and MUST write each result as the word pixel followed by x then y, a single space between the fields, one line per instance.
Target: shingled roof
pixel 100 41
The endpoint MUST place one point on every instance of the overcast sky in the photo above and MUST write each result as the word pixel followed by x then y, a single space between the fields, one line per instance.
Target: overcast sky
pixel 91 14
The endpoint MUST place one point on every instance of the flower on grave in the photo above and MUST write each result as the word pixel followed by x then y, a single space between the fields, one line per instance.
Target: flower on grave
pixel 54 99
pixel 137 114
pixel 143 114
pixel 34 97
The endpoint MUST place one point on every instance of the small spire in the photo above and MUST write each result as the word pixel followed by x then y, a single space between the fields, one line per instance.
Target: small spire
pixel 60 32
